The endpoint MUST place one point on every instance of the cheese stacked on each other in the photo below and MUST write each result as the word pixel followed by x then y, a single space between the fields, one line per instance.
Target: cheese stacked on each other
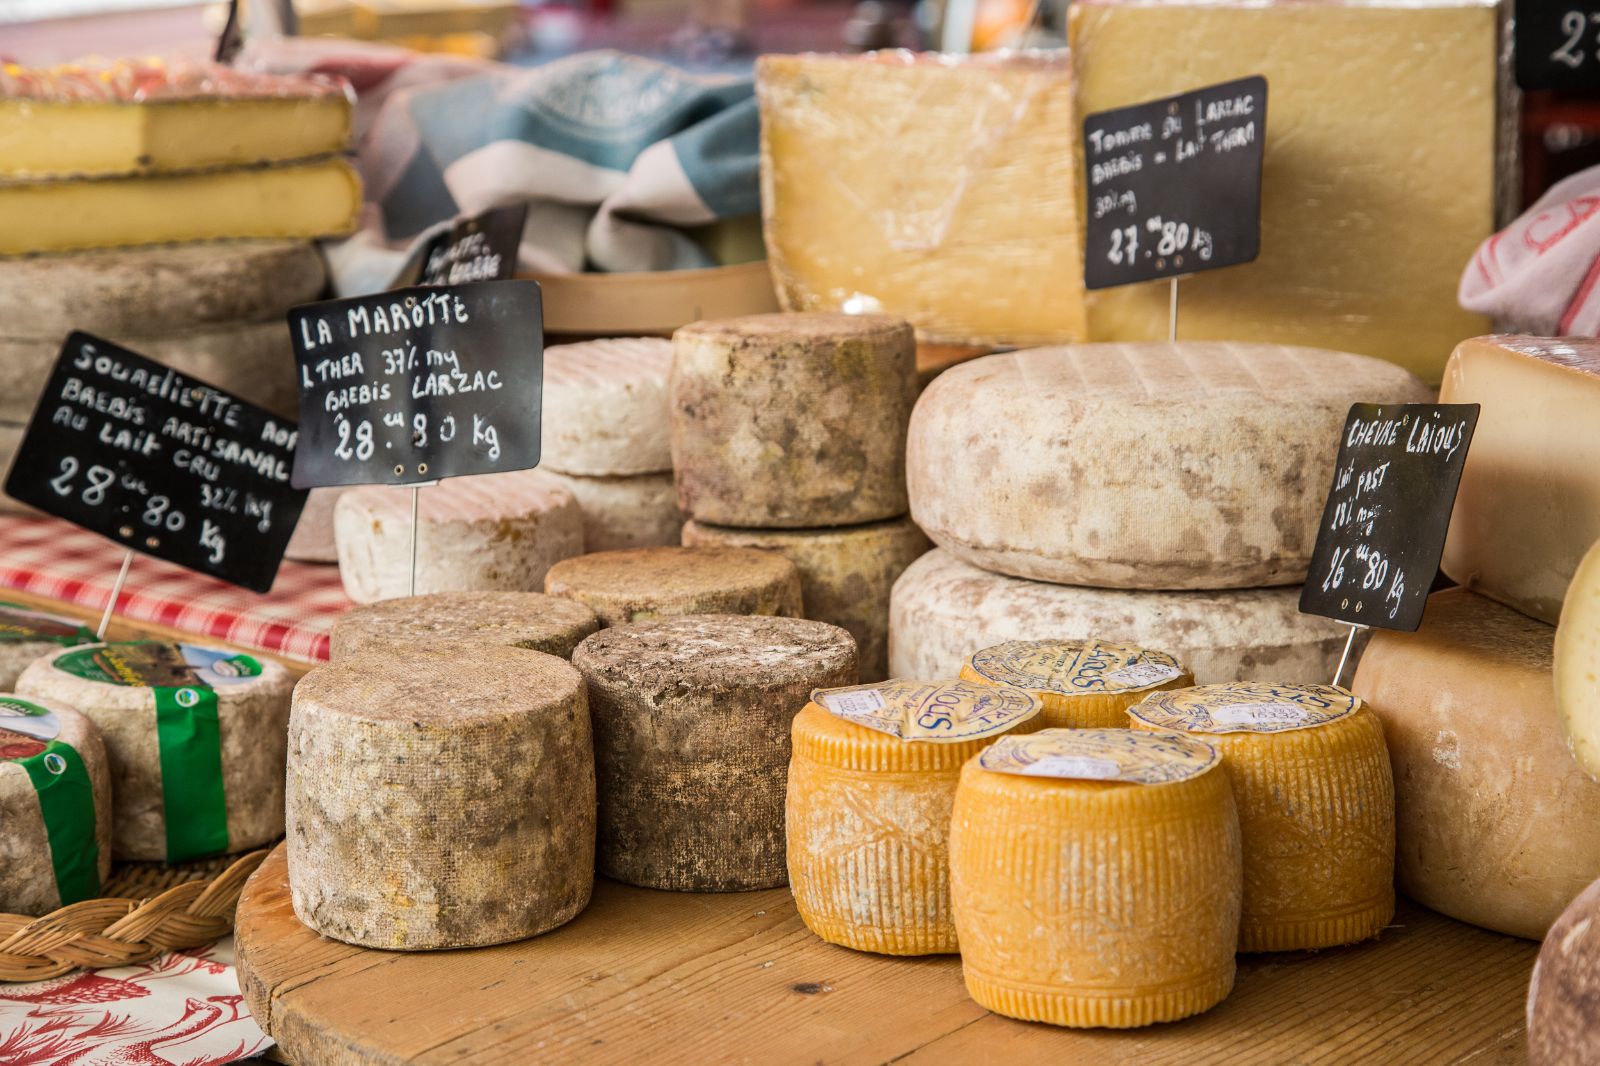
pixel 487 532
pixel 1496 823
pixel 1084 684
pixel 195 736
pixel 639 584
pixel 26 635
pixel 625 512
pixel 1566 986
pixel 846 573
pixel 55 807
pixel 1152 466
pixel 1577 663
pixel 943 610
pixel 528 620
pixel 871 787
pixel 1316 806
pixel 691 721
pixel 1095 877
pixel 440 799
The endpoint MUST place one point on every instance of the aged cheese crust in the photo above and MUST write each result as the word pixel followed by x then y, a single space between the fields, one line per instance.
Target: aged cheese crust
pixel 1577 663
pixel 529 620
pixel 692 718
pixel 1564 995
pixel 440 799
pixel 626 512
pixel 605 407
pixel 639 584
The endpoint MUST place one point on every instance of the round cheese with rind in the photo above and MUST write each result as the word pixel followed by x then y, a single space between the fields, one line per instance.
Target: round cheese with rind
pixel 1566 986
pixel 1577 663
pixel 625 512
pixel 27 634
pixel 639 584
pixel 529 620
pixel 1084 684
pixel 605 407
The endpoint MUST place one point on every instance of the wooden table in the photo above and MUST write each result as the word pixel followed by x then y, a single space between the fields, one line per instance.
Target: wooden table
pixel 661 977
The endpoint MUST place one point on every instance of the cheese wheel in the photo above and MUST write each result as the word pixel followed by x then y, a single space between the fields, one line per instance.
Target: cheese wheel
pixel 440 799
pixel 1095 877
pixel 1495 823
pixel 528 620
pixel 639 584
pixel 626 512
pixel 1084 684
pixel 792 421
pixel 869 802
pixel 943 610
pixel 488 532
pixel 846 574
pixel 605 407
pixel 195 737
pixel 1566 986
pixel 1147 466
pixel 1577 663
pixel 313 539
pixel 1311 778
pixel 10 441
pixel 55 807
pixel 691 737
pixel 26 635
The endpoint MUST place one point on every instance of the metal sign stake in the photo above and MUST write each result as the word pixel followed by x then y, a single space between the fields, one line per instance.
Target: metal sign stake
pixel 1172 312
pixel 116 590
pixel 1345 656
pixel 411 586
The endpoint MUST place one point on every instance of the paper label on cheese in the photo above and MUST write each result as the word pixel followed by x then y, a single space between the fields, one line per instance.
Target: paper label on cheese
pixel 25 728
pixel 1246 707
pixel 937 711
pixel 153 664
pixel 1126 755
pixel 1074 667
pixel 28 735
pixel 19 624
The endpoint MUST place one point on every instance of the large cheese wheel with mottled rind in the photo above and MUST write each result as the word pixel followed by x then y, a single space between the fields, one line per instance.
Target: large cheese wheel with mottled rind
pixel 438 620
pixel 635 585
pixel 625 512
pixel 605 407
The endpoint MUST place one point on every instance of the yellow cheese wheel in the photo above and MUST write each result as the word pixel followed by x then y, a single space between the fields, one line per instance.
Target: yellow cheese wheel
pixel 1095 877
pixel 1085 684
pixel 1311 776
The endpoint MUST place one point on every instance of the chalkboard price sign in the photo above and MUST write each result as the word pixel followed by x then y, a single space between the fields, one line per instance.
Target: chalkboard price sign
pixel 417 384
pixel 1557 45
pixel 1174 185
pixel 480 248
pixel 1384 524
pixel 160 462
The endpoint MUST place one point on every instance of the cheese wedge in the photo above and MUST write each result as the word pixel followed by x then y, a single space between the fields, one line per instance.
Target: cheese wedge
pixel 1085 684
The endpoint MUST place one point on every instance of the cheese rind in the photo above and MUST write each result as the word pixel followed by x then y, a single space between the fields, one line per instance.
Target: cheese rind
pixel 26 635
pixel 640 584
pixel 640 511
pixel 1577 663
pixel 1083 684
pixel 528 620
pixel 1565 986
pixel 605 407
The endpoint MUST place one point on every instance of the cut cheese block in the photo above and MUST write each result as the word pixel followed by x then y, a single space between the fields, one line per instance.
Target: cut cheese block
pixel 626 512
pixel 691 737
pixel 1529 503
pixel 1348 260
pixel 317 199
pixel 792 421
pixel 846 574
pixel 440 799
pixel 1566 986
pixel 26 635
pixel 55 807
pixel 605 407
pixel 1095 876
pixel 943 610
pixel 1312 782
pixel 487 532
pixel 1495 823
pixel 313 539
pixel 1158 466
pixel 1084 684
pixel 924 186
pixel 643 583
pixel 195 736
pixel 1577 663
pixel 528 620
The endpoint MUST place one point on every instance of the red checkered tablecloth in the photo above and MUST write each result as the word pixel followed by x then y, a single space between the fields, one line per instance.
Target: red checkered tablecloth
pixel 55 559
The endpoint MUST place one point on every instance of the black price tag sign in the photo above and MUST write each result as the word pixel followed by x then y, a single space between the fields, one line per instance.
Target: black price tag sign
pixel 1557 45
pixel 160 462
pixel 480 248
pixel 418 384
pixel 1174 184
pixel 1384 524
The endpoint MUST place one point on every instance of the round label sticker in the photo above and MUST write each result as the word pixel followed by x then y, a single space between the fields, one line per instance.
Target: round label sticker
pixel 25 728
pixel 55 764
pixel 940 711
pixel 1074 667
pixel 1128 755
pixel 1245 707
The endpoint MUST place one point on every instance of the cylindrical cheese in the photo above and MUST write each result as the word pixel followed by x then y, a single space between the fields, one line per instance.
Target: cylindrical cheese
pixel 313 540
pixel 195 737
pixel 442 620
pixel 440 799
pixel 605 407
pixel 691 731
pixel 871 787
pixel 639 584
pixel 1084 684
pixel 626 512
pixel 1095 876
pixel 1577 663
pixel 792 421
pixel 489 532
pixel 846 574
pixel 1566 987
pixel 1311 778
pixel 26 635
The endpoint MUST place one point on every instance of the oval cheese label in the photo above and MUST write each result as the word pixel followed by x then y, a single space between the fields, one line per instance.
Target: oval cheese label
pixel 939 711
pixel 1127 755
pixel 155 664
pixel 1245 707
pixel 26 728
pixel 1074 667
pixel 19 624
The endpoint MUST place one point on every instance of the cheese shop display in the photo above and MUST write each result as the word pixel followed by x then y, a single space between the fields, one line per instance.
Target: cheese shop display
pixel 195 737
pixel 692 721
pixel 441 798
pixel 27 634
pixel 442 620
pixel 846 574
pixel 1082 684
pixel 625 512
pixel 1496 823
pixel 480 533
pixel 1566 983
pixel 1095 877
pixel 1577 664
pixel 639 584
pixel 314 540
pixel 55 807
pixel 605 408
pixel 872 783
pixel 1312 782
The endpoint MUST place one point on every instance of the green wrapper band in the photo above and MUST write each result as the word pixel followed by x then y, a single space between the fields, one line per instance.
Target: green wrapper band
pixel 192 799
pixel 66 800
